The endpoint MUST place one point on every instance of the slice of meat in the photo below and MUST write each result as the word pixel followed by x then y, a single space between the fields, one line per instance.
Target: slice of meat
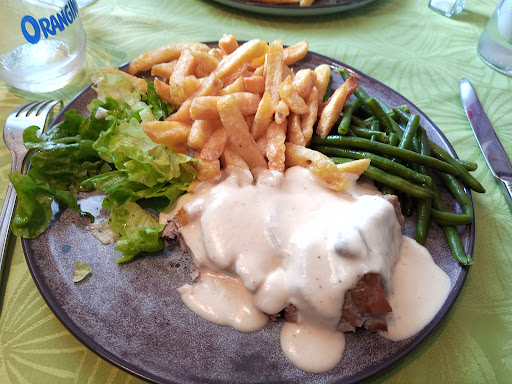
pixel 291 313
pixel 393 199
pixel 365 306
pixel 171 233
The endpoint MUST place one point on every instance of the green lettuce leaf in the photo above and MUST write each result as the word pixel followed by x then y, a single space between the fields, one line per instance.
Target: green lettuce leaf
pixel 82 269
pixel 139 231
pixel 33 211
pixel 161 108
pixel 107 151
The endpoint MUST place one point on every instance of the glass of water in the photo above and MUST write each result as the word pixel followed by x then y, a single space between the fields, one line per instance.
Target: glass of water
pixel 43 43
pixel 83 3
pixel 448 8
pixel 495 44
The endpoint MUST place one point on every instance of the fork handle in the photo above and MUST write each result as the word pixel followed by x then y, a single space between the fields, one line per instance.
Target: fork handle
pixel 5 223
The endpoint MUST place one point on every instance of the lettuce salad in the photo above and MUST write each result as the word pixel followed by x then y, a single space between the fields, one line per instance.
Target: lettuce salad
pixel 107 151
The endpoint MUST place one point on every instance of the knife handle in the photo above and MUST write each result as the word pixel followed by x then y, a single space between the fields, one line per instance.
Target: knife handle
pixel 506 188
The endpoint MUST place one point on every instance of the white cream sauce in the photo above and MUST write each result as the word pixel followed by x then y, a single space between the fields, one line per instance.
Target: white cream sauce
pixel 263 243
pixel 420 288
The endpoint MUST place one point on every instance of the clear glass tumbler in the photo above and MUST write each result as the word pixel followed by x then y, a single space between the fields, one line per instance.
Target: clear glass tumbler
pixel 43 43
pixel 83 3
pixel 448 8
pixel 495 44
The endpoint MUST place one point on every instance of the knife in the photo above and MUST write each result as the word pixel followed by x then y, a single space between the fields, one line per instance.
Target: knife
pixel 489 143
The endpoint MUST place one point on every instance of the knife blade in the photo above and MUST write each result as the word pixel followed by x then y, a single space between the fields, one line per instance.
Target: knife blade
pixel 491 147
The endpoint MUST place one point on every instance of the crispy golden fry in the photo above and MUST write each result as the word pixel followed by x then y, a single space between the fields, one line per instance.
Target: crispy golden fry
pixel 262 145
pixel 181 83
pixel 243 55
pixel 180 93
pixel 263 116
pixel 274 70
pixel 235 75
pixel 257 63
pixel 170 133
pixel 205 107
pixel 201 131
pixel 323 77
pixel 204 63
pixel 306 3
pixel 282 112
pixel 238 132
pixel 210 86
pixel 231 158
pixel 163 54
pixel 215 145
pixel 255 84
pixel 294 133
pixel 249 120
pixel 216 53
pixel 288 72
pixel 332 110
pixel 228 43
pixel 308 120
pixel 184 67
pixel 236 86
pixel 318 164
pixel 276 136
pixel 163 90
pixel 295 52
pixel 259 71
pixel 206 170
pixel 163 70
pixel 304 81
pixel 357 166
pixel 137 82
pixel 292 99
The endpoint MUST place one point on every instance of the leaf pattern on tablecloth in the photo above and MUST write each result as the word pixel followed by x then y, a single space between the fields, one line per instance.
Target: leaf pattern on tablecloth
pixel 34 348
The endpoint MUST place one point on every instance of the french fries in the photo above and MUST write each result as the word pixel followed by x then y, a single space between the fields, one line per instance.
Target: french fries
pixel 238 132
pixel 245 106
pixel 334 106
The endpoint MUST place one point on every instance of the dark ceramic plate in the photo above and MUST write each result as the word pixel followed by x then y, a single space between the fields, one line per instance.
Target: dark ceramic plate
pixel 132 314
pixel 319 7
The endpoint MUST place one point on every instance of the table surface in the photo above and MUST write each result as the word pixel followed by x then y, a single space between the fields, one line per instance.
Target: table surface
pixel 401 43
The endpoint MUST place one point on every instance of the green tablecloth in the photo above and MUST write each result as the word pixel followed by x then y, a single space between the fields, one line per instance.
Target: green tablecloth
pixel 402 43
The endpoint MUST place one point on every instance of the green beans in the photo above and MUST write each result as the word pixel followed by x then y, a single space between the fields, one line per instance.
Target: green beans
pixel 374 146
pixel 391 180
pixel 380 114
pixel 447 218
pixel 463 173
pixel 348 109
pixel 451 233
pixel 469 165
pixel 368 133
pixel 423 206
pixel 410 132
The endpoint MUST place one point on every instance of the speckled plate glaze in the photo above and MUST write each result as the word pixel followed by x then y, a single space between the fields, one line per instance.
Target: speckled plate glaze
pixel 319 7
pixel 132 314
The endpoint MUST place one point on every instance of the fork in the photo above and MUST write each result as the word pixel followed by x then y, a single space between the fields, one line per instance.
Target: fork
pixel 26 115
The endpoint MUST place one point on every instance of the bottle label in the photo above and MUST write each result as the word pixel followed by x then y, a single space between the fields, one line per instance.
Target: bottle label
pixel 34 30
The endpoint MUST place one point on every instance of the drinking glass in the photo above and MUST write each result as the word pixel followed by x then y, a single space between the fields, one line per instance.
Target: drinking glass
pixel 83 3
pixel 447 8
pixel 495 44
pixel 43 43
